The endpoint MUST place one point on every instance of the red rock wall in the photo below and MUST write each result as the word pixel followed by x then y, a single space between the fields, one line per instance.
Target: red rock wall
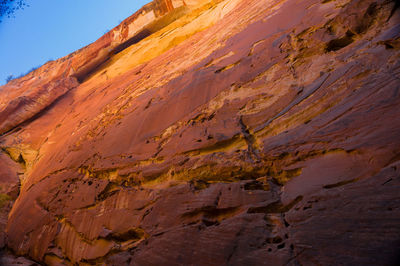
pixel 270 136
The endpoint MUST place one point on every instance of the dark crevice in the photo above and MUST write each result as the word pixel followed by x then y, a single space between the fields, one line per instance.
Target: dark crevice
pixel 135 39
pixel 222 69
pixel 220 145
pixel 208 222
pixel 212 212
pixel 147 212
pixel 275 207
pixel 339 184
pixel 387 181
pixel 337 44
pixel 281 246
pixel 368 18
pixel 255 185
pixel 108 191
pixel 148 104
pixel 13 130
pixel 274 240
pixel 250 140
pixel 197 184
pixel 19 160
pixel 395 7
pixel 132 234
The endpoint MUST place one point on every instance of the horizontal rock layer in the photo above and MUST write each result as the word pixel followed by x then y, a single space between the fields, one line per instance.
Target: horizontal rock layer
pixel 212 133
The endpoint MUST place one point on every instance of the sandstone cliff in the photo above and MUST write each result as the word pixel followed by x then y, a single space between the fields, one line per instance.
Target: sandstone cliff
pixel 199 132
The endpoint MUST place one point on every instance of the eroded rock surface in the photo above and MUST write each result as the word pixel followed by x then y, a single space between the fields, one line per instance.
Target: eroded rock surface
pixel 234 132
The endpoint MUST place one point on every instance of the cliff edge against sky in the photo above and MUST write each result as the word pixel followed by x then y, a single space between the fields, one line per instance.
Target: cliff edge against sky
pixel 200 132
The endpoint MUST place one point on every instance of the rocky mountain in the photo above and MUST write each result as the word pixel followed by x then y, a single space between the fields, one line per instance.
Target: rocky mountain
pixel 210 132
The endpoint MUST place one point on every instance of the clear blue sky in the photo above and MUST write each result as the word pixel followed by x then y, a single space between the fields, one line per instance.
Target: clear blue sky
pixel 50 29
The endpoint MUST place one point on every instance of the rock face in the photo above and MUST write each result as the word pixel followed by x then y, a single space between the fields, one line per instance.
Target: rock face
pixel 234 132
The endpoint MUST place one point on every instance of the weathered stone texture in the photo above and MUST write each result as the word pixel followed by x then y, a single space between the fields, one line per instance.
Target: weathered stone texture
pixel 236 132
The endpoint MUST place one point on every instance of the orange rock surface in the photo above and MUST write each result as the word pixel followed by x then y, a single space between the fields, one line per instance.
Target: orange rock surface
pixel 199 132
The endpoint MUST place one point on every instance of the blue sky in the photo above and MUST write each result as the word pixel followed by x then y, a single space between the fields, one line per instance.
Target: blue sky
pixel 50 29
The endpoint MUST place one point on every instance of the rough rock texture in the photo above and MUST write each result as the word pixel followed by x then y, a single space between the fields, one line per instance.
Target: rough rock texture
pixel 236 132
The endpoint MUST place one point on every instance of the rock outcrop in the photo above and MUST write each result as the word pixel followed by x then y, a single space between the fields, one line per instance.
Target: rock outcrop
pixel 230 132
